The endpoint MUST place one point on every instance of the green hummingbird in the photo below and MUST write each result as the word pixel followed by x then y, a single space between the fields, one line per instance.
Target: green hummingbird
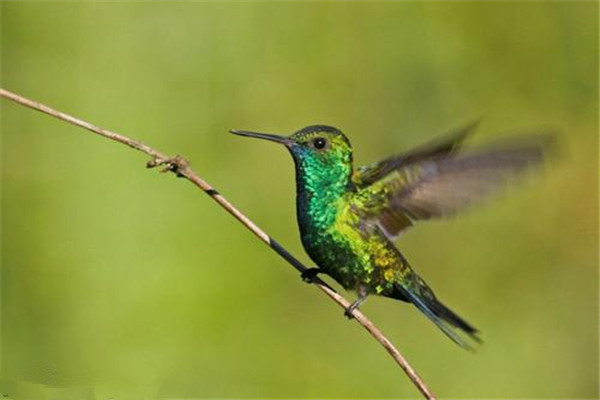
pixel 349 218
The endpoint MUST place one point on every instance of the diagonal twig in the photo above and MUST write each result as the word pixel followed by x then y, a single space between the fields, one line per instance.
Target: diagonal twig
pixel 181 168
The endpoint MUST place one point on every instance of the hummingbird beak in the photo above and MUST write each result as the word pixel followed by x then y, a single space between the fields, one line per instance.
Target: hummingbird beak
pixel 273 138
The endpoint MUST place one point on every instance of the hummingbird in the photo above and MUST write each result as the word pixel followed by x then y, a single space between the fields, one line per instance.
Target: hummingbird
pixel 349 218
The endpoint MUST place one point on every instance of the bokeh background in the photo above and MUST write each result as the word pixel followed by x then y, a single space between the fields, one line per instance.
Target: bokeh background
pixel 118 282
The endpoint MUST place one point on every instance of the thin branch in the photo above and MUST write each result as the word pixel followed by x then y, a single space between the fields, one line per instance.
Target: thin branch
pixel 181 168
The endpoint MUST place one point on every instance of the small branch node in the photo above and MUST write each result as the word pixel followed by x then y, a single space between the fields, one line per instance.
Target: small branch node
pixel 178 165
pixel 156 161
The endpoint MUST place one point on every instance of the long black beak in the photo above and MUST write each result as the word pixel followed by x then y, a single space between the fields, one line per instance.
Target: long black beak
pixel 266 136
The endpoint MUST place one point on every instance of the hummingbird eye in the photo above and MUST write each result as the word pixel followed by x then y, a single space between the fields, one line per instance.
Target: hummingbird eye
pixel 319 143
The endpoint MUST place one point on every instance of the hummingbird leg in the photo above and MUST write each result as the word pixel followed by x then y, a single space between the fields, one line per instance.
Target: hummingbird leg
pixel 310 274
pixel 362 297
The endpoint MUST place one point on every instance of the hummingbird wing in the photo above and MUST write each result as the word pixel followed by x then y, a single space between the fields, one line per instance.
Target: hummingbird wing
pixel 368 174
pixel 444 185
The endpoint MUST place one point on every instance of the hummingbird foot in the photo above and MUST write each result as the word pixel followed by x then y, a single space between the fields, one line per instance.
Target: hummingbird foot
pixel 310 274
pixel 362 297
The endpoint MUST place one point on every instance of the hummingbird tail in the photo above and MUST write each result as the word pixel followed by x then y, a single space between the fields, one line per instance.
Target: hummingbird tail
pixel 447 320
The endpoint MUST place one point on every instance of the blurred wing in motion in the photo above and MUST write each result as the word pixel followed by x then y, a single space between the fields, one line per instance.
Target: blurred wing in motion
pixel 444 185
pixel 368 174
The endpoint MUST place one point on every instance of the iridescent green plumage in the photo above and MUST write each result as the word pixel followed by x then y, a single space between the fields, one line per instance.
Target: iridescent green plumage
pixel 348 218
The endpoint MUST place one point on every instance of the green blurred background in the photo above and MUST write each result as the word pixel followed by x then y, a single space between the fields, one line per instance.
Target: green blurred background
pixel 118 282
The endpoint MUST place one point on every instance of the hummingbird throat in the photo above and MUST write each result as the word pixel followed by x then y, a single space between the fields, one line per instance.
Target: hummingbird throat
pixel 321 183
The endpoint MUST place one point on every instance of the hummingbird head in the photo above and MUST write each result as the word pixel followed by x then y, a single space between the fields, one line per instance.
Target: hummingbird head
pixel 314 147
pixel 322 154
